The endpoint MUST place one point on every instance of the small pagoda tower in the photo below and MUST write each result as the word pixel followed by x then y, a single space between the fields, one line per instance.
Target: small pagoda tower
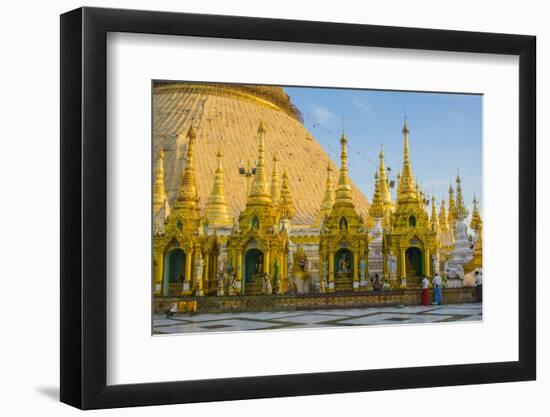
pixel 343 243
pixel 377 211
pixel 411 239
pixel 385 194
pixel 217 210
pixel 462 252
pixel 179 262
pixel 475 222
pixel 161 208
pixel 257 248
pixel 328 200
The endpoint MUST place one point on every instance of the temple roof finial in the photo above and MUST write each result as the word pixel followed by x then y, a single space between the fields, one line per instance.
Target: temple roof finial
pixel 406 184
pixel 343 190
pixel 259 190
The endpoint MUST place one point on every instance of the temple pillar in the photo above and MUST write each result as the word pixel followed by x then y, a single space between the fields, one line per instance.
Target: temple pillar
pixel 355 270
pixel 331 271
pixel 187 278
pixel 403 270
pixel 206 273
pixel 427 263
pixel 239 271
pixel 267 267
pixel 281 257
pixel 159 272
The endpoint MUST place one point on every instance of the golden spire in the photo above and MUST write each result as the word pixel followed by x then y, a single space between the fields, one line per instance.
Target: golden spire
pixel 451 216
pixel 217 210
pixel 475 224
pixel 434 221
pixel 328 198
pixel 343 190
pixel 406 183
pixel 159 193
pixel 443 221
pixel 461 211
pixel 287 206
pixel 383 180
pixel 187 194
pixel 258 192
pixel 376 209
pixel 477 260
pixel 275 187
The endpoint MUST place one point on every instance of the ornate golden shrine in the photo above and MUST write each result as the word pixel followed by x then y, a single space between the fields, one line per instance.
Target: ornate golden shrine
pixel 411 238
pixel 343 240
pixel 258 246
pixel 185 259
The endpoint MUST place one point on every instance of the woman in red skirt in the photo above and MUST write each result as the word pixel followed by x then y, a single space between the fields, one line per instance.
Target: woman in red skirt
pixel 425 292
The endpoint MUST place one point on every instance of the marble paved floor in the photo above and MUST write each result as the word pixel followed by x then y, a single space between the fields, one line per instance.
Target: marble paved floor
pixel 186 323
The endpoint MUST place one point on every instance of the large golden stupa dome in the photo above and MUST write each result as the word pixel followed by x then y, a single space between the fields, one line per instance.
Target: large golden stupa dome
pixel 228 116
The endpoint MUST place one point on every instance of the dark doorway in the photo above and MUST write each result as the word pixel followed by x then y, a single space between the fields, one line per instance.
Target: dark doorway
pixel 253 264
pixel 415 266
pixel 174 269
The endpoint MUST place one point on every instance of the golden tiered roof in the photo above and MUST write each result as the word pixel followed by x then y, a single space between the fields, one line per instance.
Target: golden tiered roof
pixel 407 189
pixel 159 194
pixel 228 116
pixel 383 181
pixel 328 198
pixel 475 223
pixel 376 209
pixel 217 211
pixel 443 220
pixel 451 214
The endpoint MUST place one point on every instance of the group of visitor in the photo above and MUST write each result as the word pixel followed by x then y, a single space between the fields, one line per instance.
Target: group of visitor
pixel 438 294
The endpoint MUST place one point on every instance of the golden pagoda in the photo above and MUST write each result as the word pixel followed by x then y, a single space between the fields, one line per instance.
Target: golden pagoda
pixel 159 193
pixel 411 238
pixel 461 212
pixel 286 211
pixel 475 223
pixel 343 240
pixel 477 260
pixel 217 210
pixel 385 194
pixel 451 213
pixel 328 199
pixel 161 209
pixel 446 234
pixel 434 220
pixel 257 248
pixel 377 209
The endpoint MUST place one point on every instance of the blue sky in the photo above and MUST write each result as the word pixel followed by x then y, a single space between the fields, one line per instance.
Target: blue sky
pixel 445 134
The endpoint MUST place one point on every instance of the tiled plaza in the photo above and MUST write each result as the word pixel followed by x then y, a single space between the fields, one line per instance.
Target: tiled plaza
pixel 225 322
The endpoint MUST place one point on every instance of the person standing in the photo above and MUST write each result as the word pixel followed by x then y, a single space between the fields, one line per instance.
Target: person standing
pixel 425 292
pixel 479 286
pixel 438 296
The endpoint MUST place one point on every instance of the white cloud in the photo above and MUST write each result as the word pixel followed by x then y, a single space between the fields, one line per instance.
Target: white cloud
pixel 322 114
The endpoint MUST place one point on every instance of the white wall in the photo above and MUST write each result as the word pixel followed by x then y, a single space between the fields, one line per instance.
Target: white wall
pixel 29 169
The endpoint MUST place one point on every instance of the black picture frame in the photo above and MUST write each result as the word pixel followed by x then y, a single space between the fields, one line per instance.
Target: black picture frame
pixel 84 207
